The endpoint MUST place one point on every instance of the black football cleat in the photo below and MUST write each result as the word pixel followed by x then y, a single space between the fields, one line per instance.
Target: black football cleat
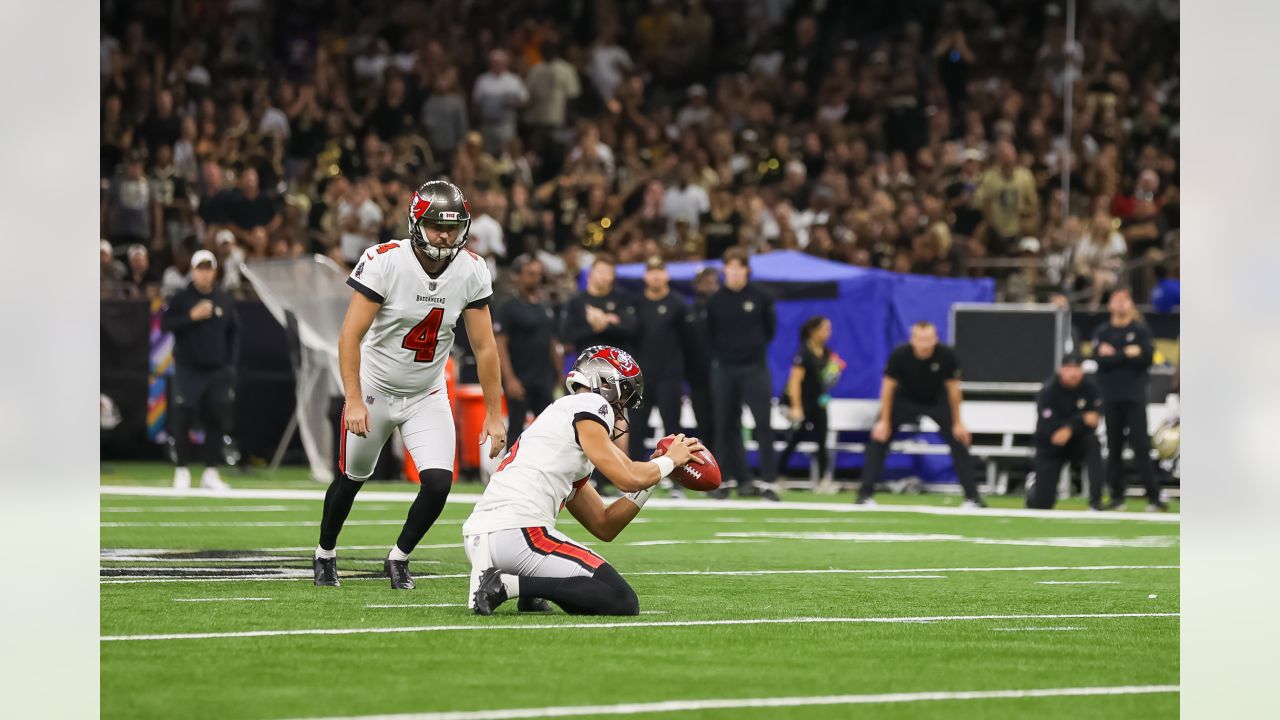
pixel 490 594
pixel 1116 504
pixel 769 495
pixel 532 605
pixel 398 571
pixel 720 493
pixel 326 572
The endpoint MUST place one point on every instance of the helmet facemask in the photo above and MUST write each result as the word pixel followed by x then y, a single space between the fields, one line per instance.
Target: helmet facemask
pixel 433 251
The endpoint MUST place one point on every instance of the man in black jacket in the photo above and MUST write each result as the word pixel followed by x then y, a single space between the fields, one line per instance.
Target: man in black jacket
pixel 1068 410
pixel 601 315
pixel 1124 350
pixel 527 348
pixel 697 361
pixel 206 344
pixel 922 378
pixel 663 335
pixel 741 321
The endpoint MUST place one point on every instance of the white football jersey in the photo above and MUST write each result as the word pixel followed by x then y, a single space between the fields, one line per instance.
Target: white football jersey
pixel 542 470
pixel 407 345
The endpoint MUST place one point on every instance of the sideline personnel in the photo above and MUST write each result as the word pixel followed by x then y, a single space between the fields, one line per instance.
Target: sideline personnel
pixel 206 344
pixel 1124 349
pixel 1067 432
pixel 922 378
pixel 742 320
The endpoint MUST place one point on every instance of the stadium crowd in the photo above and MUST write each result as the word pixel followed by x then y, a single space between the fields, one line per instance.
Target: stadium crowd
pixel 924 137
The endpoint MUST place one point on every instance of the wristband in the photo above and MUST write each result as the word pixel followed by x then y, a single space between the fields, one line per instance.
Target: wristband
pixel 639 497
pixel 666 465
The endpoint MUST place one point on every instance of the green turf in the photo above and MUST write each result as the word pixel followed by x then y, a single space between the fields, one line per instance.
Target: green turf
pixel 402 672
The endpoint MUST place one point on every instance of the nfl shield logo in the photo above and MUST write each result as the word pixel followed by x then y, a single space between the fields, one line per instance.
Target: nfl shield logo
pixel 432 285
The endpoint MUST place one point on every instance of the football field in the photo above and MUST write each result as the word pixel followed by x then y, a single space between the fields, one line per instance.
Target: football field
pixel 805 609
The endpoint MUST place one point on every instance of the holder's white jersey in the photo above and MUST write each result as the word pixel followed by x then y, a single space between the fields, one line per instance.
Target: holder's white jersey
pixel 407 345
pixel 542 470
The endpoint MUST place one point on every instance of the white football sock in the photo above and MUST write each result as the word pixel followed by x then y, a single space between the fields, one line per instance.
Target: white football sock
pixel 512 584
pixel 326 554
pixel 397 554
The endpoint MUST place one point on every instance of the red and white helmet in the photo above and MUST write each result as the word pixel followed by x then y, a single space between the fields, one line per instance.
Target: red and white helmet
pixel 609 372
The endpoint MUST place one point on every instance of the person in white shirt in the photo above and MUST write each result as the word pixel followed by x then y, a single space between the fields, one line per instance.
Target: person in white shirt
pixel 359 218
pixel 510 537
pixel 685 200
pixel 395 340
pixel 486 231
pixel 498 95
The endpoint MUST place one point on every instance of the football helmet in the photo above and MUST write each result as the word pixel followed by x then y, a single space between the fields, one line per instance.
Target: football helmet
pixel 440 203
pixel 611 373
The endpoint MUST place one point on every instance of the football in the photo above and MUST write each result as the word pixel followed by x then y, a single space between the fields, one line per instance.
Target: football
pixel 702 477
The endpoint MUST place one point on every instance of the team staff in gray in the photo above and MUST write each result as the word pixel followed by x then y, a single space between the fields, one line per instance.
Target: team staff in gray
pixel 1124 350
pixel 741 321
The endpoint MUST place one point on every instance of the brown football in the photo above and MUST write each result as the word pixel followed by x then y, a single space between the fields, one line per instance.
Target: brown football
pixel 703 477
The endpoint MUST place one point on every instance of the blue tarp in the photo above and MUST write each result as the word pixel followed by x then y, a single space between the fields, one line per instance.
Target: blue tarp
pixel 871 312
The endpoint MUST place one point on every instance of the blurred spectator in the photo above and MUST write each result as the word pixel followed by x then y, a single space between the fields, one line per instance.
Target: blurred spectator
pixel 112 272
pixel 140 280
pixel 162 127
pixel 486 230
pixel 609 62
pixel 498 95
pixel 229 257
pixel 1099 256
pixel 253 216
pixel 531 360
pixel 129 205
pixel 1007 196
pixel 445 115
pixel 552 84
pixel 685 201
pixel 359 219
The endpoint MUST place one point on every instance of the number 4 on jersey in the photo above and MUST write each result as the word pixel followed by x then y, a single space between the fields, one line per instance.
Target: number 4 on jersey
pixel 422 338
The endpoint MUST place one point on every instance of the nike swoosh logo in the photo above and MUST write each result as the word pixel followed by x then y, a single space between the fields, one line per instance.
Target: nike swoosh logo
pixel 369 256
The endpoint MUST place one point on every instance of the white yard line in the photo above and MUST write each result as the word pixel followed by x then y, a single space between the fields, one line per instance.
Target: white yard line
pixel 774 702
pixel 1078 582
pixel 906 577
pixel 301 574
pixel 1150 541
pixel 280 523
pixel 421 605
pixel 222 599
pixel 667 503
pixel 632 625
pixel 207 508
pixel 1037 629
pixel 309 548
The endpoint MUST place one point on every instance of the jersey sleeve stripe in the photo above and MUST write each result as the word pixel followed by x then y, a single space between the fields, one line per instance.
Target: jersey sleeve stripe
pixel 587 416
pixel 477 304
pixel 365 290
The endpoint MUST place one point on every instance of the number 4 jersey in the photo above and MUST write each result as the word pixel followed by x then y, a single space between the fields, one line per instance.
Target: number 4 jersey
pixel 405 350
